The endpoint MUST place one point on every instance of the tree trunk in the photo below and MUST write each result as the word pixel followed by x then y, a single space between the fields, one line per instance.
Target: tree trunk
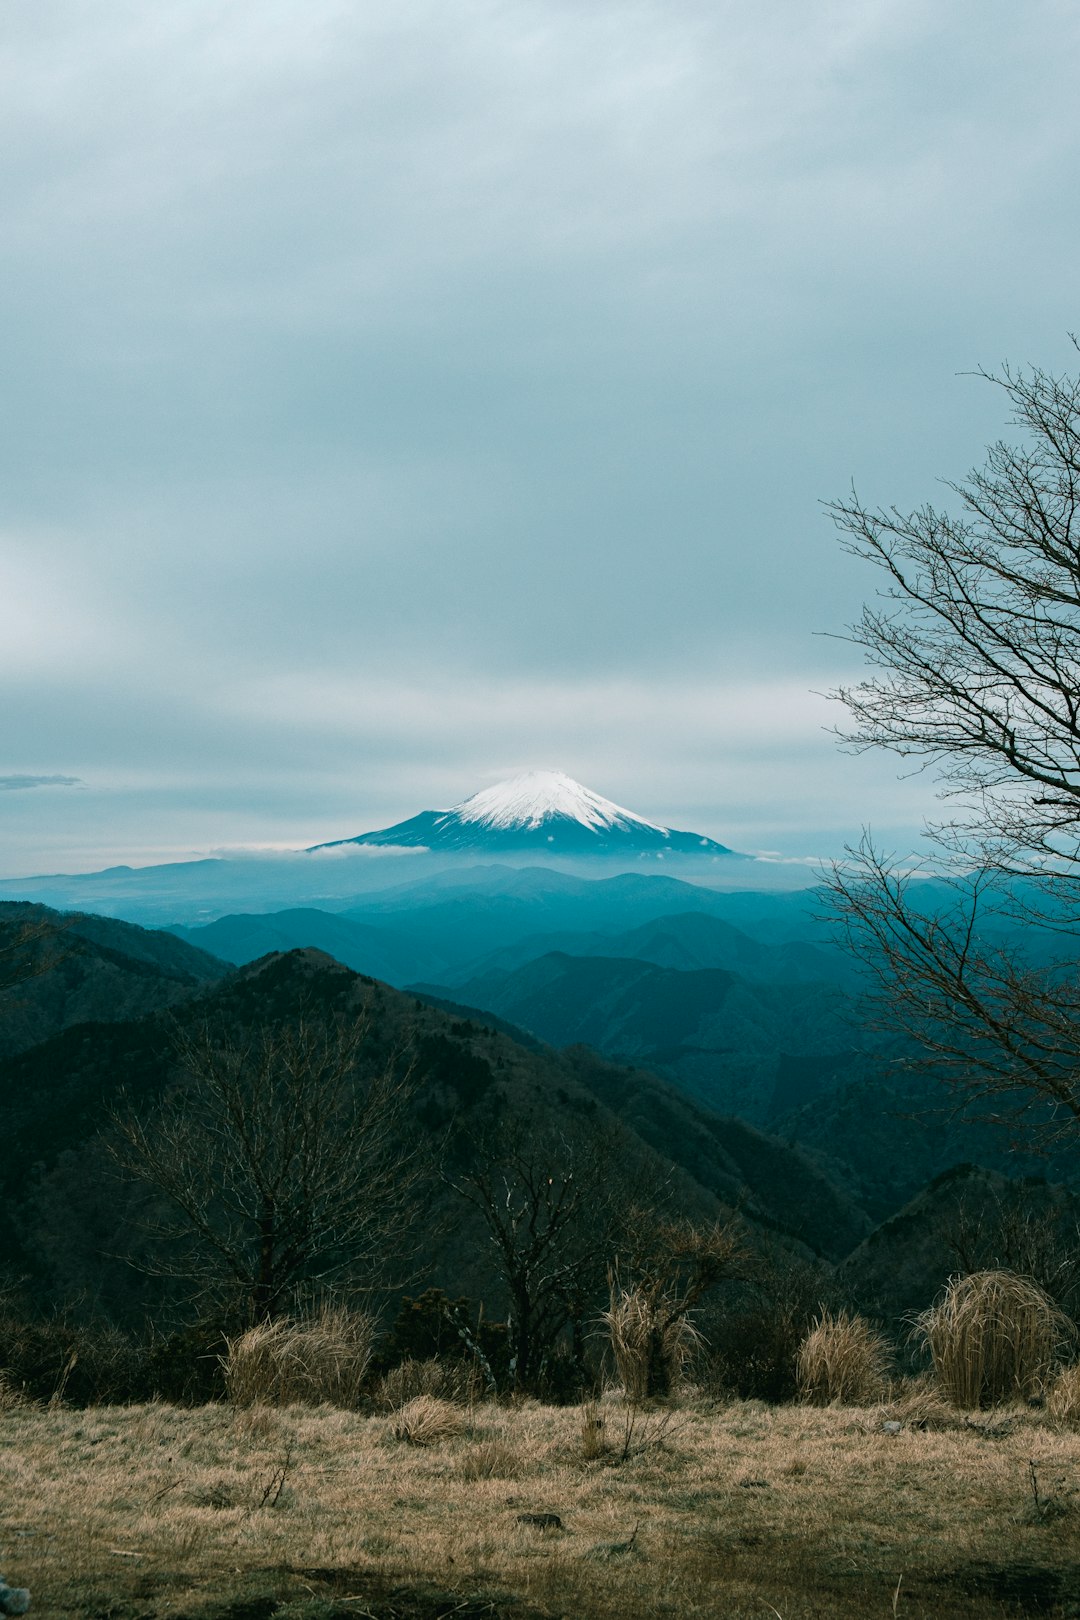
pixel 658 1370
pixel 264 1294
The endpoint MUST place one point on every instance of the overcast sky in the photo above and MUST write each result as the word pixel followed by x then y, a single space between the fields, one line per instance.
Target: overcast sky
pixel 401 394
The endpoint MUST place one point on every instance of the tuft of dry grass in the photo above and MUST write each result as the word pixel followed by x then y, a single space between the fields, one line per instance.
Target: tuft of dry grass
pixel 10 1394
pixel 1063 1399
pixel 919 1403
pixel 594 1442
pixel 647 1334
pixel 493 1459
pixel 842 1359
pixel 994 1337
pixel 449 1380
pixel 426 1420
pixel 406 1381
pixel 307 1361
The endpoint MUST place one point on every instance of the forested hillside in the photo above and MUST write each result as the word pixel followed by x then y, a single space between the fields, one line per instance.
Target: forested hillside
pixel 151 1095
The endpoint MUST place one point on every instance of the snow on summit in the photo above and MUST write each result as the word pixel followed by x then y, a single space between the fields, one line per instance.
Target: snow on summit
pixel 534 797
pixel 538 814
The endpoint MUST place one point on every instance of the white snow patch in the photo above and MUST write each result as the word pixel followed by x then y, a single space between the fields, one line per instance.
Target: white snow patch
pixel 538 796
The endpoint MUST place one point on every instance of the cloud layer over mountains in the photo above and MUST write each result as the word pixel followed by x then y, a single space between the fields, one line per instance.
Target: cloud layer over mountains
pixel 400 395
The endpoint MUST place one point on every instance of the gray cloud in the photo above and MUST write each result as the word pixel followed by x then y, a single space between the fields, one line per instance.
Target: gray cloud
pixel 12 784
pixel 385 384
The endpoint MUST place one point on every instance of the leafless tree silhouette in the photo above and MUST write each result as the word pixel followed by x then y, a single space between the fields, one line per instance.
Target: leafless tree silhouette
pixel 974 644
pixel 284 1162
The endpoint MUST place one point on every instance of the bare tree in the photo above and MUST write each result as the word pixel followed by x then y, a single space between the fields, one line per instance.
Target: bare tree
pixel 978 640
pixel 975 644
pixel 550 1203
pixel 284 1162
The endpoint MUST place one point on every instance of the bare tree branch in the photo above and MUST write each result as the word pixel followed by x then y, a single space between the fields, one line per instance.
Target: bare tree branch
pixel 976 642
pixel 550 1204
pixel 286 1164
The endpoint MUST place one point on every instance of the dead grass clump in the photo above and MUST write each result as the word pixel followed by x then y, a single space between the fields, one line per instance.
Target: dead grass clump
pixel 406 1381
pixel 449 1380
pixel 918 1403
pixel 652 1342
pixel 492 1459
pixel 994 1337
pixel 310 1361
pixel 218 1494
pixel 842 1359
pixel 594 1442
pixel 11 1396
pixel 1063 1400
pixel 426 1420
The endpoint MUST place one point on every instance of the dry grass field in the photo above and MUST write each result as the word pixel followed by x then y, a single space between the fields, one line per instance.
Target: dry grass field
pixel 732 1510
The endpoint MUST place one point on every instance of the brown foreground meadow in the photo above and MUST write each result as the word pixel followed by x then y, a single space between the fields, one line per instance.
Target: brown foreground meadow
pixel 741 1510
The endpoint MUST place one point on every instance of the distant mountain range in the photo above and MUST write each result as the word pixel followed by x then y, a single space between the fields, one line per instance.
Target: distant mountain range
pixel 742 1048
pixel 541 819
pixel 730 1062
pixel 540 812
pixel 741 999
pixel 457 925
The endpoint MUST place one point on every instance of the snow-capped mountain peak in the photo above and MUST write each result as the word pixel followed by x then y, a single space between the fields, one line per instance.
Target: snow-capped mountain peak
pixel 528 800
pixel 540 813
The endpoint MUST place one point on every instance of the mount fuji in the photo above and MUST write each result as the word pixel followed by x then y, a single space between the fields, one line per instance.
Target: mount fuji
pixel 540 812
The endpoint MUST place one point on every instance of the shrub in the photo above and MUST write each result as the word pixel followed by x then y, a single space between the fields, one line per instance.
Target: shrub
pixel 756 1330
pixel 436 1327
pixel 1063 1401
pixel 993 1336
pixel 651 1341
pixel 842 1359
pixel 426 1420
pixel 85 1360
pixel 184 1367
pixel 424 1328
pixel 322 1358
pixel 78 1363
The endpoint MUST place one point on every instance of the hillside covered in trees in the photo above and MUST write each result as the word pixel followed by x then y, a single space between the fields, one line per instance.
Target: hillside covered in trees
pixel 189 1146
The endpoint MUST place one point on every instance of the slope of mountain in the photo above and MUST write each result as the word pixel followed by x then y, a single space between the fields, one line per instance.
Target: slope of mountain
pixel 686 942
pixel 887 1130
pixel 55 1100
pixel 59 969
pixel 492 908
pixel 967 1219
pixel 382 953
pixel 774 1182
pixel 695 940
pixel 457 924
pixel 730 1043
pixel 545 811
